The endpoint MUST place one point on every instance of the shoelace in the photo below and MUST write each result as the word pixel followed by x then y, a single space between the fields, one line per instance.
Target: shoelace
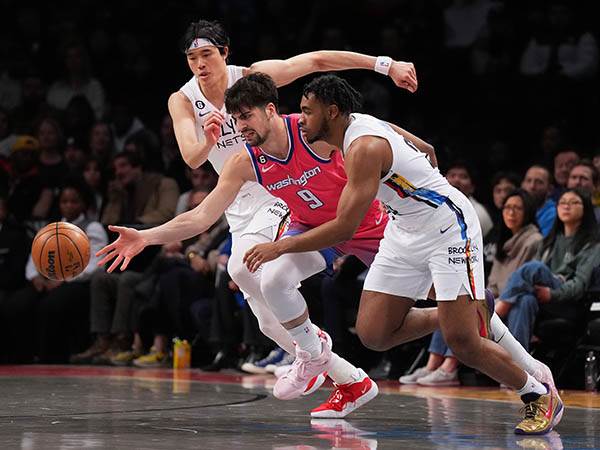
pixel 530 410
pixel 338 395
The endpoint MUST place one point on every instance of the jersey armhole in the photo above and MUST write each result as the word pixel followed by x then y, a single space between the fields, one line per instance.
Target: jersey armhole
pixel 254 164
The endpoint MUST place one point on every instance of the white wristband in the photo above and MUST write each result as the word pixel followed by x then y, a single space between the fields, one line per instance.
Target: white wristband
pixel 383 64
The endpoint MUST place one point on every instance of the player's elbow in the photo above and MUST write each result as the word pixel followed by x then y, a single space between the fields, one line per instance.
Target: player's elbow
pixel 192 160
pixel 317 62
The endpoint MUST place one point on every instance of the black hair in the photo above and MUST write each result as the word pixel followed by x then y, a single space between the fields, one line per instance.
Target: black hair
pixel 511 177
pixel 78 184
pixel 333 90
pixel 587 231
pixel 461 164
pixel 204 29
pixel 505 233
pixel 134 159
pixel 255 90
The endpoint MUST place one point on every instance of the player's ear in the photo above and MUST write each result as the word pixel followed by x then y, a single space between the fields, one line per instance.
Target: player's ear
pixel 332 112
pixel 225 52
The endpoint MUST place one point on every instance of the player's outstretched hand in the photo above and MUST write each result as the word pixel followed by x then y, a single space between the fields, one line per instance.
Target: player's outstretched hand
pixel 129 243
pixel 212 126
pixel 404 75
pixel 260 254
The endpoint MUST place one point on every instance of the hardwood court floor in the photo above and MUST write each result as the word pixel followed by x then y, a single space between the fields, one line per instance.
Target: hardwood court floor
pixel 66 407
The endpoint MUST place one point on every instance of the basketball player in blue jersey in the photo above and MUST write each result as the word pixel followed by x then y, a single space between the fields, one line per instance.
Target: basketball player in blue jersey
pixel 433 237
pixel 205 131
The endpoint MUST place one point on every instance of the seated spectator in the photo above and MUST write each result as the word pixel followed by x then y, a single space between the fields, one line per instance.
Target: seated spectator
pixel 74 156
pixel 538 184
pixel 203 177
pixel 184 273
pixel 138 197
pixel 77 79
pixel 78 117
pixel 563 163
pixel 145 144
pixel 555 282
pixel 459 176
pixel 123 123
pixel 518 241
pixel 503 183
pixel 95 178
pixel 52 145
pixel 14 245
pixel 30 198
pixel 173 165
pixel 101 143
pixel 45 318
pixel 584 176
pixel 7 137
pixel 33 103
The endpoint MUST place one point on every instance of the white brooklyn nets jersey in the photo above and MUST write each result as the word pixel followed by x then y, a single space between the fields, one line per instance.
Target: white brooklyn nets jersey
pixel 412 189
pixel 252 196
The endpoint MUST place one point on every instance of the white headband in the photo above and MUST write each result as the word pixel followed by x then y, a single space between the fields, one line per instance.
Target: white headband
pixel 198 43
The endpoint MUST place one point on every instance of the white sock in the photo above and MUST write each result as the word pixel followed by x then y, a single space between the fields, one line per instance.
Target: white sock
pixel 341 371
pixel 507 341
pixel 306 338
pixel 532 386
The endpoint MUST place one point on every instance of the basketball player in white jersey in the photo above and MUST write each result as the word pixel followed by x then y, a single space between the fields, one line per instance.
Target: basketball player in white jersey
pixel 433 236
pixel 204 131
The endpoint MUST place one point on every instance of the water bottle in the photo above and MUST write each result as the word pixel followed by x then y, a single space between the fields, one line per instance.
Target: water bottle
pixel 591 372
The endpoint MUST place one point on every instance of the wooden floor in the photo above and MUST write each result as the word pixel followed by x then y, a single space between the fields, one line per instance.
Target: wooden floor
pixel 47 407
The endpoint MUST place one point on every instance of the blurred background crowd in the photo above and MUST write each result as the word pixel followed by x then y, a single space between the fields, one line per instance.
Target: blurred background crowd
pixel 507 94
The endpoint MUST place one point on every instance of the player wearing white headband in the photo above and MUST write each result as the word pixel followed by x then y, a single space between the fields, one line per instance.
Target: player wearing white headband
pixel 205 131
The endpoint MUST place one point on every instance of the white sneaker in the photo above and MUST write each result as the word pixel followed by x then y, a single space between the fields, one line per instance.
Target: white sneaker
pixel 413 377
pixel 440 377
pixel 287 360
pixel 282 370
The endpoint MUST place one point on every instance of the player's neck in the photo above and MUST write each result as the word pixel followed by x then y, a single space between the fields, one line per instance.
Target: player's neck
pixel 214 89
pixel 277 144
pixel 337 132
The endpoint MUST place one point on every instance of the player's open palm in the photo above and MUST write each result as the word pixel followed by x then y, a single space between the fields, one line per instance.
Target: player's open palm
pixel 404 75
pixel 129 243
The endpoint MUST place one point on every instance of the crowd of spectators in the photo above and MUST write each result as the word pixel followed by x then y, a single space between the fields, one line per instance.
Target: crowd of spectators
pixel 505 90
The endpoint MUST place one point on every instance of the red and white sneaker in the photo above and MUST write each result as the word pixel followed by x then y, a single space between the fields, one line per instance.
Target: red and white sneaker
pixel 315 383
pixel 347 397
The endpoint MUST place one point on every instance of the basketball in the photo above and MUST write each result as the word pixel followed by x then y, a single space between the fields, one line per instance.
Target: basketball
pixel 60 251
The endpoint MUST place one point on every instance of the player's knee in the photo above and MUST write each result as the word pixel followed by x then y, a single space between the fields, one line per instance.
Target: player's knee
pixel 372 337
pixel 238 272
pixel 274 281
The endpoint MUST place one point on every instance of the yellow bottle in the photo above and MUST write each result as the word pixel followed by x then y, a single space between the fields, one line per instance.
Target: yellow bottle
pixel 182 354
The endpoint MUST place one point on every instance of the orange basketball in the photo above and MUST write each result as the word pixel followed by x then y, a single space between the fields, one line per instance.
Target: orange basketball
pixel 60 251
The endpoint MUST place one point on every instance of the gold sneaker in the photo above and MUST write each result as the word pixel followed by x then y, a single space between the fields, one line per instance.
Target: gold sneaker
pixel 152 359
pixel 540 414
pixel 125 358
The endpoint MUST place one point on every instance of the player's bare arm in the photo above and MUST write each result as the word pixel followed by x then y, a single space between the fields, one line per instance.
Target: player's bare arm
pixel 366 159
pixel 193 150
pixel 130 242
pixel 284 71
pixel 423 146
